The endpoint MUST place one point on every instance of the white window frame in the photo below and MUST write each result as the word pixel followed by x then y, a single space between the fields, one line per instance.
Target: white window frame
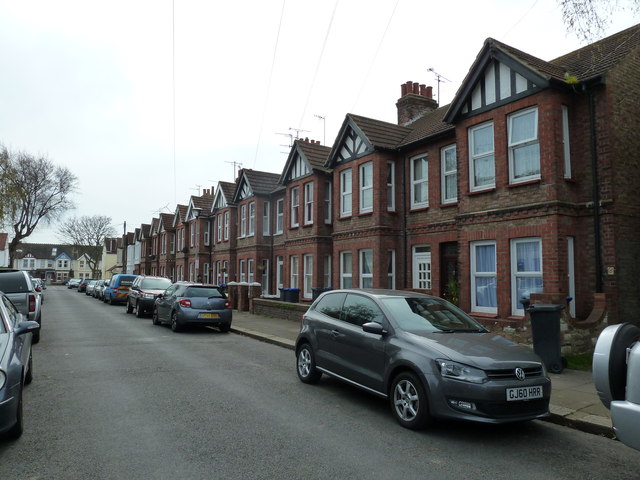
pixel 473 157
pixel 252 219
pixel 484 274
pixel 366 277
pixel 295 207
pixel 293 271
pixel 243 221
pixel 207 228
pixel 516 306
pixel 307 267
pixel 241 273
pixel 250 270
pixel 226 225
pixel 205 268
pixel 420 182
pixel 421 267
pixel 219 227
pixel 308 203
pixel 566 145
pixel 327 271
pixel 266 219
pixel 328 203
pixel 391 270
pixel 346 192
pixel 279 271
pixel 365 174
pixel 346 276
pixel 279 216
pixel 526 142
pixel 391 187
pixel 448 174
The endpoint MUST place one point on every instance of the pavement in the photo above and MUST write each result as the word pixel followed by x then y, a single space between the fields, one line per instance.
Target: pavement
pixel 574 400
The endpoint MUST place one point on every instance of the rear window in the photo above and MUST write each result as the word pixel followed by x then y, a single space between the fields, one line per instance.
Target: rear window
pixel 156 283
pixel 127 280
pixel 13 282
pixel 331 304
pixel 205 292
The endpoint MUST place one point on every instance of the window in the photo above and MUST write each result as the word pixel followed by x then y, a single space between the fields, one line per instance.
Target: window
pixel 226 225
pixel 524 148
pixel 295 206
pixel 243 221
pixel 331 305
pixel 252 218
pixel 366 187
pixel 205 271
pixel 242 271
pixel 192 231
pixel 327 270
pixel 449 175
pixel 207 228
pixel 279 271
pixel 391 187
pixel 218 273
pixel 264 280
pixel 391 270
pixel 481 158
pixel 526 271
pixel 327 202
pixel 250 273
pixel 422 267
pixel 566 150
pixel 294 272
pixel 366 268
pixel 81 263
pixel 483 277
pixel 220 227
pixel 308 275
pixel 225 271
pixel 279 216
pixel 345 193
pixel 172 243
pixel 419 182
pixel 346 269
pixel 308 203
pixel 359 310
pixel 266 219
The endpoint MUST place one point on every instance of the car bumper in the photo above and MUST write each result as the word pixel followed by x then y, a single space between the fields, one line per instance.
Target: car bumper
pixel 625 417
pixel 197 317
pixel 146 304
pixel 8 411
pixel 487 402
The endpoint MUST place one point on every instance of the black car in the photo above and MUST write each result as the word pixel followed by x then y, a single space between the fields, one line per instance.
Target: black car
pixel 143 293
pixel 184 304
pixel 428 357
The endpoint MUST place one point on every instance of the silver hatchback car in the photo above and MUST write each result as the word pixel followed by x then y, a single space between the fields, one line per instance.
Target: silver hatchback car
pixel 428 357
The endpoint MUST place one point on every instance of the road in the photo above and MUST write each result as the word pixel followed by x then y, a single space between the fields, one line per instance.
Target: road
pixel 115 397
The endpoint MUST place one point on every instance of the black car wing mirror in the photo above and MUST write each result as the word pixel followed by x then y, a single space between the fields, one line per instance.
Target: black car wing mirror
pixel 374 327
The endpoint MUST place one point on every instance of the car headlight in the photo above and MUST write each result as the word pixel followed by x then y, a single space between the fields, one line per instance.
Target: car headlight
pixel 3 378
pixel 458 371
pixel 149 295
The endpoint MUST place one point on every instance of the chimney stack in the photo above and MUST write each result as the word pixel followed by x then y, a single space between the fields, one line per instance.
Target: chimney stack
pixel 416 100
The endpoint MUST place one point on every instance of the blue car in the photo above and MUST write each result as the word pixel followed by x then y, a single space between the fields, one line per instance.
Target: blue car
pixel 118 289
pixel 15 365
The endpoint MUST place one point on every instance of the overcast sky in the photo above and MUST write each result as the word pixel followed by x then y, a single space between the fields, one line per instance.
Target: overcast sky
pixel 93 84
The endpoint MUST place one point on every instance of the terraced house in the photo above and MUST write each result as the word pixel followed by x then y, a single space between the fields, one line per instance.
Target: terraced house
pixel 523 187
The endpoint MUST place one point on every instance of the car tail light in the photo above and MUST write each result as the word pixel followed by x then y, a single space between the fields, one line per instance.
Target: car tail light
pixel 32 303
pixel 185 302
pixel 227 304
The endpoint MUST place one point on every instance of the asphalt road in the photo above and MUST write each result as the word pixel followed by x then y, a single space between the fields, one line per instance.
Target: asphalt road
pixel 115 397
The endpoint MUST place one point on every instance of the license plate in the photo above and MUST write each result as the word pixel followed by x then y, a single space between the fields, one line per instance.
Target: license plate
pixel 524 393
pixel 209 315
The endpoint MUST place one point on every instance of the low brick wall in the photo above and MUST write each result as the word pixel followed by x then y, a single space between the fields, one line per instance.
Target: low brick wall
pixel 278 309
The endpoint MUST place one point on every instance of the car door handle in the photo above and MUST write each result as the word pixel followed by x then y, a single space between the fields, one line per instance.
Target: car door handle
pixel 335 333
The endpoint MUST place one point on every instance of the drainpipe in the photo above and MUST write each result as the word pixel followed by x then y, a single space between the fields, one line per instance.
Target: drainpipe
pixel 595 191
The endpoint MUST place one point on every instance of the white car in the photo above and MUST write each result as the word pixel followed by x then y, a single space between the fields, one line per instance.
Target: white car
pixel 616 375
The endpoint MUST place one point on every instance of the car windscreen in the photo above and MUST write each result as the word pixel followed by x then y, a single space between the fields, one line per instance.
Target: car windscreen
pixel 127 281
pixel 13 283
pixel 206 292
pixel 430 314
pixel 155 283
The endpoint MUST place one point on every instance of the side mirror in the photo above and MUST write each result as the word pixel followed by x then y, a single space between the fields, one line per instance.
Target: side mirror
pixel 160 295
pixel 28 326
pixel 374 327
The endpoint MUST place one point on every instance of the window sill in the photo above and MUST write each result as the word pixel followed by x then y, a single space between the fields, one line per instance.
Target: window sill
pixel 483 315
pixel 422 208
pixel 365 214
pixel 480 192
pixel 528 182
pixel 450 204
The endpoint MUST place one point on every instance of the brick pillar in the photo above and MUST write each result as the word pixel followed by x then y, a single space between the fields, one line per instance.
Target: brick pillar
pixel 255 291
pixel 243 297
pixel 232 293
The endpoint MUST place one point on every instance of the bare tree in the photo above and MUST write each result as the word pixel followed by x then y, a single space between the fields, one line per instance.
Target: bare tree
pixel 33 190
pixel 89 232
pixel 588 19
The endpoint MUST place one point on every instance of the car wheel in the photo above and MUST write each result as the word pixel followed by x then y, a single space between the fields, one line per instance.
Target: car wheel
pixel 28 378
pixel 110 300
pixel 16 431
pixel 129 307
pixel 225 328
pixel 409 402
pixel 306 365
pixel 154 317
pixel 175 325
pixel 139 310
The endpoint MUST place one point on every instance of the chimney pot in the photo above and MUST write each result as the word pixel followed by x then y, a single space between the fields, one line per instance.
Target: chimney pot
pixel 430 92
pixel 416 88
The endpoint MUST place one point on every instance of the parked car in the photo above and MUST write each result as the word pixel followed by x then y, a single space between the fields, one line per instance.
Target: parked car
pixel 17 285
pixel 98 288
pixel 40 287
pixel 616 376
pixel 82 286
pixel 428 357
pixel 118 288
pixel 184 304
pixel 73 283
pixel 143 293
pixel 91 284
pixel 16 365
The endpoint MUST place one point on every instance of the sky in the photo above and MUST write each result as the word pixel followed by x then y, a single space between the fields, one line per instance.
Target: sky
pixel 148 102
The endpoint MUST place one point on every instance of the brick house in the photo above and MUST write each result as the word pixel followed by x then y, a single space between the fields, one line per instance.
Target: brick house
pixel 224 214
pixel 166 245
pixel 199 242
pixel 182 247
